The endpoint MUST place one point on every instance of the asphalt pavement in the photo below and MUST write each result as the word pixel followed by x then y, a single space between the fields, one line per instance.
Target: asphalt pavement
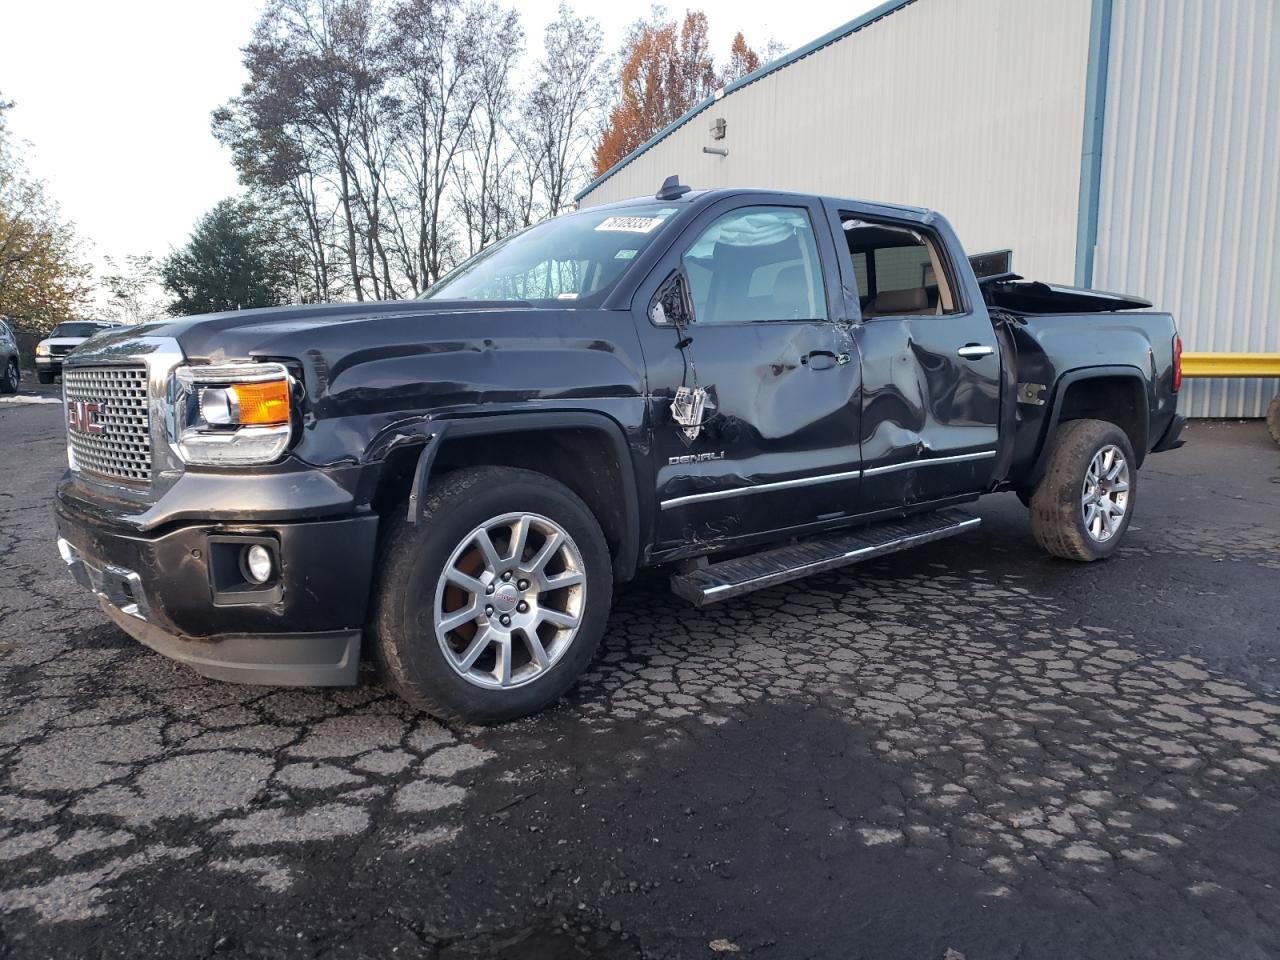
pixel 970 747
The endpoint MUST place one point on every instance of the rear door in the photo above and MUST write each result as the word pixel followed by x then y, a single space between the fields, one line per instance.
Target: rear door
pixel 930 360
pixel 770 345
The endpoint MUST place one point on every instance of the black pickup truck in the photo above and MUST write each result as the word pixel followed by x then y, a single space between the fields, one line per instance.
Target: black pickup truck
pixel 743 386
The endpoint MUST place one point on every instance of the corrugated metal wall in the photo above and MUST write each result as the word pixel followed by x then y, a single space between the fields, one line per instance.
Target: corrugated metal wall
pixel 1189 214
pixel 972 107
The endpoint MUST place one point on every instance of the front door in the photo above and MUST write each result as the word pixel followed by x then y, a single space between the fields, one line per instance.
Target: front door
pixel 930 362
pixel 769 345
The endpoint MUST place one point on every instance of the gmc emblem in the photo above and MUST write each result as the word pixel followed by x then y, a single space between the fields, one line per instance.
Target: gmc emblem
pixel 82 416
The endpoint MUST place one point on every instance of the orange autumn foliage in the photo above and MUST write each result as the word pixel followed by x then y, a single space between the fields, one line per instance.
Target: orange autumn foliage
pixel 667 69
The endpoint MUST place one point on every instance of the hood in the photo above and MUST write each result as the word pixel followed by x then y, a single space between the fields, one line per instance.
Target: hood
pixel 367 368
pixel 291 331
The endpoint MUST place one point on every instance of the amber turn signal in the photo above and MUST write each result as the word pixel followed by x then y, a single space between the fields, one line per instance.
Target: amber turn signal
pixel 262 404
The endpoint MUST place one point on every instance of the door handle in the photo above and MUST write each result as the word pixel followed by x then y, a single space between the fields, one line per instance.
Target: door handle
pixel 824 359
pixel 975 351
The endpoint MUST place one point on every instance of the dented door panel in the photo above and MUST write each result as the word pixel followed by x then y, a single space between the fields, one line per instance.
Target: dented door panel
pixel 930 417
pixel 778 448
pixel 931 404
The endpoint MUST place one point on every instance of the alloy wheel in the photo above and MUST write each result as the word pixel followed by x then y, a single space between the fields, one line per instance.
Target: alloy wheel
pixel 510 600
pixel 1104 498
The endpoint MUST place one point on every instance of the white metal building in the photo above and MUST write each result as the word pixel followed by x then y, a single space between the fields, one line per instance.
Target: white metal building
pixel 1130 145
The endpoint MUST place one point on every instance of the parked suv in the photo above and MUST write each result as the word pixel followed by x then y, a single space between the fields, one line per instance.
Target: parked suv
pixel 10 360
pixel 51 351
pixel 744 387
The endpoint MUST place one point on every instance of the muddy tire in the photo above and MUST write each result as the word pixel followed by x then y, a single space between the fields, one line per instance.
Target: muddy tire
pixel 494 604
pixel 1273 418
pixel 1082 507
pixel 10 378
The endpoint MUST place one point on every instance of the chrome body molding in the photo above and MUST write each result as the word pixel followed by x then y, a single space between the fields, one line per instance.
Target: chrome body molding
pixel 760 488
pixel 824 478
pixel 930 462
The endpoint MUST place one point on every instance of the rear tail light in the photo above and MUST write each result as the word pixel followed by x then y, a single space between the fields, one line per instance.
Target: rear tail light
pixel 1177 363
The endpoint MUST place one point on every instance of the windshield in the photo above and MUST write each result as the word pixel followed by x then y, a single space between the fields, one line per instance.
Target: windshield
pixel 569 261
pixel 81 329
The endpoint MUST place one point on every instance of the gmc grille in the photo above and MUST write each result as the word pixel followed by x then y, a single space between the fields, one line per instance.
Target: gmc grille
pixel 117 444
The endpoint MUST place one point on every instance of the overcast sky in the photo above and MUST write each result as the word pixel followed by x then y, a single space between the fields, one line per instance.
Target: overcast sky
pixel 115 95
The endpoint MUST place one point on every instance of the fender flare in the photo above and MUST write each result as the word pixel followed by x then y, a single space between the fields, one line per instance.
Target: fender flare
pixel 627 556
pixel 1055 412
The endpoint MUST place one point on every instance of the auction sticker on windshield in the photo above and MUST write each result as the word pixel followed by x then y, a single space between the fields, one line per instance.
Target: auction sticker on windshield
pixel 630 224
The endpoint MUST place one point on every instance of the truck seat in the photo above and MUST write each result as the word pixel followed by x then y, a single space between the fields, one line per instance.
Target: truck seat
pixel 890 303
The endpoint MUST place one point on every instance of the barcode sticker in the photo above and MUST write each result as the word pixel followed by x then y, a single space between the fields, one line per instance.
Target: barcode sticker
pixel 630 224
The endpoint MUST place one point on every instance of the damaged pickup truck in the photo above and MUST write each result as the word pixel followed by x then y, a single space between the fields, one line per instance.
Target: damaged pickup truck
pixel 745 387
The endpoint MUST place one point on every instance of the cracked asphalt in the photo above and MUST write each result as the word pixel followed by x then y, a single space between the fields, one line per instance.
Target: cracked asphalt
pixel 969 747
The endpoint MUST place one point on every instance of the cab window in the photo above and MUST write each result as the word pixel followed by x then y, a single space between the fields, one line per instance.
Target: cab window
pixel 756 264
pixel 900 270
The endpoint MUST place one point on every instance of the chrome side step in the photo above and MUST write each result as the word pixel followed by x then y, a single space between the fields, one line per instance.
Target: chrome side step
pixel 732 578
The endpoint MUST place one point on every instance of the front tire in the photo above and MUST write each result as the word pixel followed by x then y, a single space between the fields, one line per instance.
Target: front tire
pixel 1082 507
pixel 11 379
pixel 494 604
pixel 44 377
pixel 1273 418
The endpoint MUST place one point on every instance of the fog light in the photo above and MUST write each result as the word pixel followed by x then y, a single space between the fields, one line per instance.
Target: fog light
pixel 257 563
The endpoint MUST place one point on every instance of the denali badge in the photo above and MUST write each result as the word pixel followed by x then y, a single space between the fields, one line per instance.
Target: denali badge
pixel 696 457
pixel 82 416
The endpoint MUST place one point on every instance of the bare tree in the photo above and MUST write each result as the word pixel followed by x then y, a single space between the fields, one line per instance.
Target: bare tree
pixel 485 178
pixel 281 170
pixel 430 55
pixel 387 139
pixel 133 288
pixel 563 111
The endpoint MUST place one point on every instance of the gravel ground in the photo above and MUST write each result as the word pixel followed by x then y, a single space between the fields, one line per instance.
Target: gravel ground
pixel 968 747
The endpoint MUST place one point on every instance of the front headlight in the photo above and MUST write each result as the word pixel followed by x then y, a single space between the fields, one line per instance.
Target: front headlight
pixel 42 349
pixel 233 413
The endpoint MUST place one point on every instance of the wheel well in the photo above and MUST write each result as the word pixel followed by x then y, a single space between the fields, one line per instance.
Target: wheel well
pixel 1116 399
pixel 580 458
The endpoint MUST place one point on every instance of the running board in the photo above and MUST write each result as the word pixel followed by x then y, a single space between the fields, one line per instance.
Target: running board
pixel 732 578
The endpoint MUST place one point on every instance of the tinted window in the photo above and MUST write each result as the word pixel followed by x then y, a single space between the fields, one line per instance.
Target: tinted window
pixel 76 329
pixel 754 264
pixel 571 260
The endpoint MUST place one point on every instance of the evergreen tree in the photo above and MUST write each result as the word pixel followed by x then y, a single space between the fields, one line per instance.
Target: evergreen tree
pixel 231 262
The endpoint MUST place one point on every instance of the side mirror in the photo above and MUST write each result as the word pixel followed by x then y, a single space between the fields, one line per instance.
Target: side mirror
pixel 672 304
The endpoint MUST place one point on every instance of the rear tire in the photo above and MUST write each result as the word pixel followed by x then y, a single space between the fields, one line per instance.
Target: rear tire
pixel 1273 418
pixel 44 377
pixel 1082 507
pixel 11 379
pixel 476 621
